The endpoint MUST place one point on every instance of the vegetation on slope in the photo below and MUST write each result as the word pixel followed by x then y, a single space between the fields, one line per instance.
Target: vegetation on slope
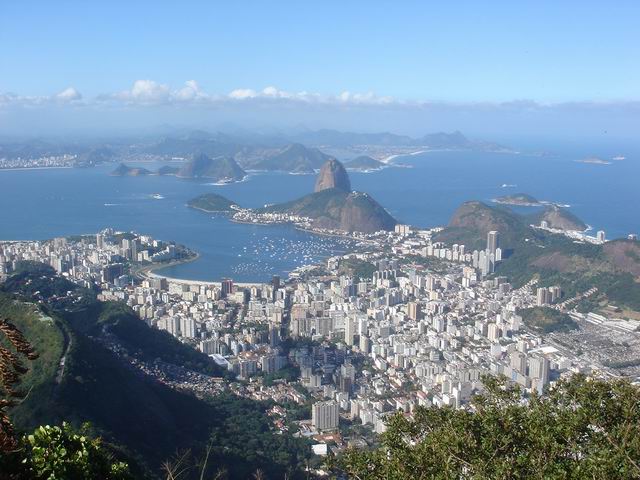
pixel 144 420
pixel 582 429
pixel 546 320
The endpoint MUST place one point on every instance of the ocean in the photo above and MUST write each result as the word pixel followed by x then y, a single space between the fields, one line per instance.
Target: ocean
pixel 42 204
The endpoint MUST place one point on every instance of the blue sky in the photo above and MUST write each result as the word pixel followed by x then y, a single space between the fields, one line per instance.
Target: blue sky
pixel 453 53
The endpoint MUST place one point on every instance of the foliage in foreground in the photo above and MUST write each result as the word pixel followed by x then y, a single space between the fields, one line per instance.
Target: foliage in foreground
pixel 581 429
pixel 53 452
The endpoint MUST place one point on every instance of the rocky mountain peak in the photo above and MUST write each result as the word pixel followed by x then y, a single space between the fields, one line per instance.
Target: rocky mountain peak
pixel 333 175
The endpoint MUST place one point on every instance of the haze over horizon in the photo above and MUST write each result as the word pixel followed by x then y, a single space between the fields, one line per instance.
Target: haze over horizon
pixel 543 70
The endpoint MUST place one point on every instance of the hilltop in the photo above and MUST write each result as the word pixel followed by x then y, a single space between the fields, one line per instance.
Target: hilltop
pixel 559 218
pixel 337 208
pixel 471 222
pixel 123 170
pixel 212 202
pixel 220 169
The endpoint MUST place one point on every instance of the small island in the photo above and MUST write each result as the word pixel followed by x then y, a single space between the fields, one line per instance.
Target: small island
pixel 364 164
pixel 518 199
pixel 594 161
pixel 124 170
pixel 168 170
pixel 212 203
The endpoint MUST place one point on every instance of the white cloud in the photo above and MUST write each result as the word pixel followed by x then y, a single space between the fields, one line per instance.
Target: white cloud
pixel 242 94
pixel 68 95
pixel 150 93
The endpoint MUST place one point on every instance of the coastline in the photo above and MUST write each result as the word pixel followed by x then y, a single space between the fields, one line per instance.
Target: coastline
pixel 15 169
pixel 149 272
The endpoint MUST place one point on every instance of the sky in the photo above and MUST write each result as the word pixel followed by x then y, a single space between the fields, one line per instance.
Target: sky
pixel 488 68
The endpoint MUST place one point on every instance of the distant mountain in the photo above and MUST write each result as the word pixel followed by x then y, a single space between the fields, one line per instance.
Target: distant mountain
pixel 342 139
pixel 338 208
pixel 212 202
pixel 333 175
pixel 220 169
pixel 123 170
pixel 440 140
pixel 364 163
pixel 294 158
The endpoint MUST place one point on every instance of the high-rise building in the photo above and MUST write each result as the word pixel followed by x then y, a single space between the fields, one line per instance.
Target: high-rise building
pixel 187 327
pixel 413 310
pixel 100 241
pixel 601 236
pixel 493 241
pixel 542 296
pixel 324 415
pixel 350 328
pixel 227 287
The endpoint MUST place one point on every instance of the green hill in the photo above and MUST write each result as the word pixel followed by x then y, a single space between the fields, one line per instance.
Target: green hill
pixel 614 268
pixel 557 217
pixel 336 209
pixel 472 221
pixel 212 202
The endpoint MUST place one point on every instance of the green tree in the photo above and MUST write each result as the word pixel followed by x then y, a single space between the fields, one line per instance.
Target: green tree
pixel 583 428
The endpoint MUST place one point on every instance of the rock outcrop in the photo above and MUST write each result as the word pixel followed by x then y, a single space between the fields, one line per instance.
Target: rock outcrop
pixel 333 175
pixel 334 206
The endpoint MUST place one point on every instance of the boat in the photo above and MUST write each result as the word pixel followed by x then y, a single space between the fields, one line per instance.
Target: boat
pixel 157 196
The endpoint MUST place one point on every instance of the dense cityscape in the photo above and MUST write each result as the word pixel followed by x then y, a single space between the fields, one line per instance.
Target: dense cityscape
pixel 417 322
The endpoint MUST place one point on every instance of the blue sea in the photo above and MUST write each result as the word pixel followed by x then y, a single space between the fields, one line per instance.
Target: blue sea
pixel 41 204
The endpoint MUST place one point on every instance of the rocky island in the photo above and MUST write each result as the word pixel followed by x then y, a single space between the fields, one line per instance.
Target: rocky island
pixel 124 170
pixel 334 206
pixel 364 164
pixel 331 208
pixel 594 161
pixel 212 203
pixel 220 169
pixel 518 199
